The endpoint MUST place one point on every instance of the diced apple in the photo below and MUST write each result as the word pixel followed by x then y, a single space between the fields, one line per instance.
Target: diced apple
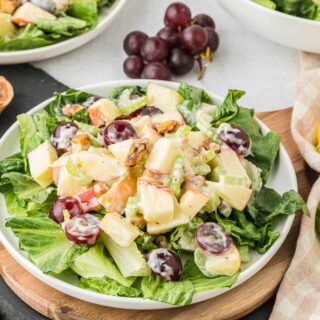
pixel 150 134
pixel 56 166
pixel 121 149
pixel 157 202
pixel 196 139
pixel 119 229
pixel 162 156
pixel 192 201
pixel 8 6
pixel 236 196
pixel 115 199
pixel 228 161
pixel 168 116
pixel 227 263
pixel 69 186
pixel 163 98
pixel 99 166
pixel 179 218
pixel 141 122
pixel 29 13
pixel 40 160
pixel 103 112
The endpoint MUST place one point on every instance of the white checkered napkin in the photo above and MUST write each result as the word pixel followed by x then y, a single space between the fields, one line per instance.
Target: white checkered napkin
pixel 299 294
pixel 306 116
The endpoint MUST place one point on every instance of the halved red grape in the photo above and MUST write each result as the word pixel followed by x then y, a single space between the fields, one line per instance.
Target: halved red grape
pixel 133 67
pixel 177 15
pixel 204 20
pixel 83 229
pixel 118 131
pixel 62 136
pixel 170 36
pixel 156 70
pixel 143 111
pixel 180 62
pixel 90 101
pixel 133 42
pixel 235 137
pixel 194 39
pixel 72 204
pixel 154 49
pixel 211 237
pixel 213 39
pixel 165 263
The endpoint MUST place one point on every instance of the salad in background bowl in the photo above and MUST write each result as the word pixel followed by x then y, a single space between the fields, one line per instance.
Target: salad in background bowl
pixel 35 30
pixel 292 23
pixel 149 194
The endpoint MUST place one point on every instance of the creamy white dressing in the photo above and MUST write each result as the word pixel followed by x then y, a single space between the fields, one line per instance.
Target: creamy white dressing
pixel 159 265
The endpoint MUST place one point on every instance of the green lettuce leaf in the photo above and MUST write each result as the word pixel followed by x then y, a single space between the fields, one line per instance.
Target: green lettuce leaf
pixel 176 293
pixel 201 283
pixel 26 188
pixel 14 163
pixel 228 109
pixel 116 93
pixel 109 287
pixel 96 264
pixel 86 10
pixel 45 243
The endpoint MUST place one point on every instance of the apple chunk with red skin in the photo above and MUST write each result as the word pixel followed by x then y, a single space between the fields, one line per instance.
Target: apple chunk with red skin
pixel 157 202
pixel 102 112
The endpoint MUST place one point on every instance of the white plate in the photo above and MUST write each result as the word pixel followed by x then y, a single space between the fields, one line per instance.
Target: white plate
pixel 291 31
pixel 282 179
pixel 31 55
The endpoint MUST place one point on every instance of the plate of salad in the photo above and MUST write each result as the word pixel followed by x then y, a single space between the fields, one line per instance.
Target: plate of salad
pixel 292 23
pixel 144 195
pixel 40 29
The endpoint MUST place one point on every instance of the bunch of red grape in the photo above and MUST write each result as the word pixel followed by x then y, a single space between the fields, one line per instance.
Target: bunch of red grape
pixel 174 49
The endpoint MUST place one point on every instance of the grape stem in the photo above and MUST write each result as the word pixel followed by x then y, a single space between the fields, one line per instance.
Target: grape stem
pixel 204 55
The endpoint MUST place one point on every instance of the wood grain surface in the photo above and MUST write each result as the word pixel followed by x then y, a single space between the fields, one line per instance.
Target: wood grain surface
pixel 231 305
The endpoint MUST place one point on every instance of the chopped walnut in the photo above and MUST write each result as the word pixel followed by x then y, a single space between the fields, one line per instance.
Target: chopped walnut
pixel 210 145
pixel 70 109
pixel 195 182
pixel 81 141
pixel 137 150
pixel 8 6
pixel 167 126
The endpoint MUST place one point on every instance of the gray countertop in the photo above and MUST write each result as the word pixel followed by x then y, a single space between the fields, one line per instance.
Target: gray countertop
pixel 31 87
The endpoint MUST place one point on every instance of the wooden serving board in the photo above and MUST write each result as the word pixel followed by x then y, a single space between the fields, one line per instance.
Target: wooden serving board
pixel 231 305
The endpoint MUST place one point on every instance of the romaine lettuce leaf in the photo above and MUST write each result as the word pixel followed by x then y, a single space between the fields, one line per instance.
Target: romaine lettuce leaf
pixel 109 286
pixel 14 163
pixel 45 243
pixel 177 293
pixel 26 188
pixel 201 283
pixel 134 90
pixel 86 10
pixel 96 264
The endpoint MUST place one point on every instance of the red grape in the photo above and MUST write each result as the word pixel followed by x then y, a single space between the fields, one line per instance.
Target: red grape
pixel 180 62
pixel 194 39
pixel 83 229
pixel 154 49
pixel 211 237
pixel 133 66
pixel 204 20
pixel 177 15
pixel 235 137
pixel 71 204
pixel 143 111
pixel 156 70
pixel 165 263
pixel 170 36
pixel 62 136
pixel 133 42
pixel 213 39
pixel 90 101
pixel 118 131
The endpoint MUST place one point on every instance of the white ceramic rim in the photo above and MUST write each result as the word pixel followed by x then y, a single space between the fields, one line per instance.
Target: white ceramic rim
pixel 279 13
pixel 140 303
pixel 71 43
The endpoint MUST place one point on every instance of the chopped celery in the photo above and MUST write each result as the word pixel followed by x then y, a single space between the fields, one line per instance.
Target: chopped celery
pixel 183 131
pixel 73 169
pixel 132 206
pixel 177 175
pixel 127 104
pixel 225 208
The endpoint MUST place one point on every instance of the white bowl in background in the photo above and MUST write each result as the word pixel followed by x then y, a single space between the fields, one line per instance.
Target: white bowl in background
pixel 290 31
pixel 37 54
pixel 282 179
